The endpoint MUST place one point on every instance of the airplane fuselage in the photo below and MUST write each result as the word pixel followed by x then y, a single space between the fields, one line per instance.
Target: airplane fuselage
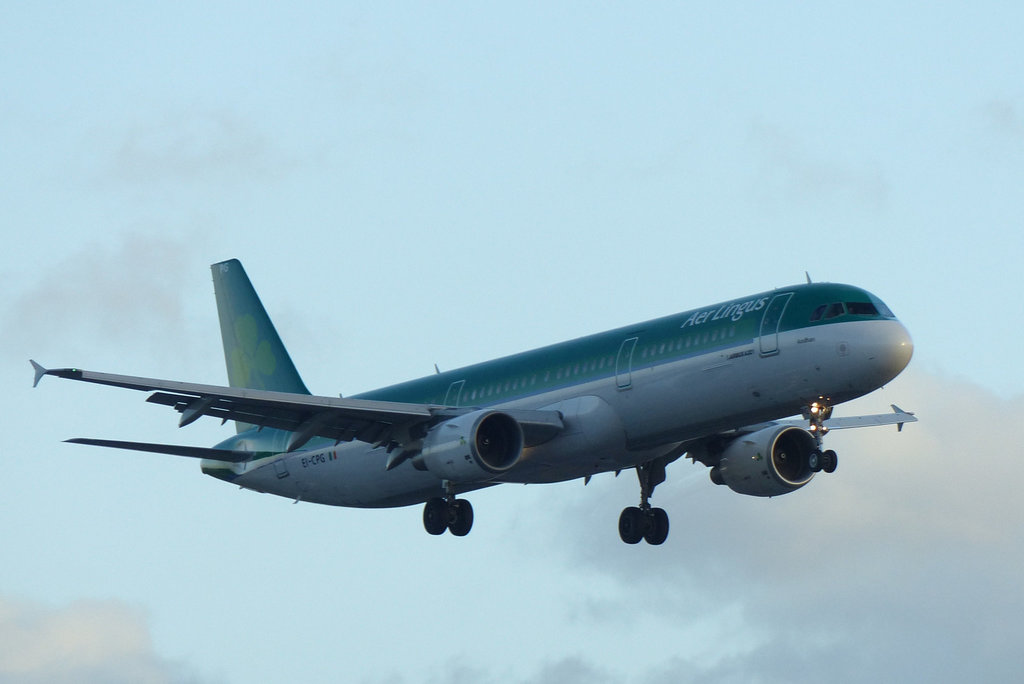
pixel 626 396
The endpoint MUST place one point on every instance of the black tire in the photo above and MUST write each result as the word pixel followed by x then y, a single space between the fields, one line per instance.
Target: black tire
pixel 657 531
pixel 462 518
pixel 814 461
pixel 631 525
pixel 830 461
pixel 435 516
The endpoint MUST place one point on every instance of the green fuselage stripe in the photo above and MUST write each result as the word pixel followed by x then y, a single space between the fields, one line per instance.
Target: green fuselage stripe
pixel 660 341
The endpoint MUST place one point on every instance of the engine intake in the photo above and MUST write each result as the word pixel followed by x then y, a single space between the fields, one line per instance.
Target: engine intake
pixel 768 462
pixel 475 447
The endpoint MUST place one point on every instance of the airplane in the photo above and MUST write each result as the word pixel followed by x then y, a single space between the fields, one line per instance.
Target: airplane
pixel 721 384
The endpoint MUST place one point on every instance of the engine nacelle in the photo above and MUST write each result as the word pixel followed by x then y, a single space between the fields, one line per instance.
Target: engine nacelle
pixel 475 447
pixel 768 462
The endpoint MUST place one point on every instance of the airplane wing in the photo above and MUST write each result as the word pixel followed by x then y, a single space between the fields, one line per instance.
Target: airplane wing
pixel 898 417
pixel 305 415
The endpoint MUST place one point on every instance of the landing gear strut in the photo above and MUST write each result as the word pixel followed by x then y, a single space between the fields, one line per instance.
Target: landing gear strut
pixel 645 522
pixel 817 413
pixel 448 513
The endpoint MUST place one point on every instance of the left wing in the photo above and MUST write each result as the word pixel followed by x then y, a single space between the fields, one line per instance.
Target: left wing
pixel 305 415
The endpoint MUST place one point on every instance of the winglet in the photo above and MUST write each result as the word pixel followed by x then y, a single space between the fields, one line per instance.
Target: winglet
pixel 40 372
pixel 897 409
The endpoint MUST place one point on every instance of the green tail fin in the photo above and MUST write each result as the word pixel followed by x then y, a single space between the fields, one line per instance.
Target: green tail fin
pixel 254 353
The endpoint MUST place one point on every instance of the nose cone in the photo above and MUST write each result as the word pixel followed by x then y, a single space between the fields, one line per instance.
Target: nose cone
pixel 892 349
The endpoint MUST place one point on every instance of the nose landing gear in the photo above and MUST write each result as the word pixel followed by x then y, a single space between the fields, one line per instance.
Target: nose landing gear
pixel 817 413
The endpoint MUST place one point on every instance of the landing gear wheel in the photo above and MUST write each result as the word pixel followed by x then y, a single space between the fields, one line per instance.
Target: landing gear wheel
pixel 657 526
pixel 435 516
pixel 460 518
pixel 631 525
pixel 829 461
pixel 814 461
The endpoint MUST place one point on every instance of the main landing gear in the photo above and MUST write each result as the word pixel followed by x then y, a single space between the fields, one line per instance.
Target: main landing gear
pixel 448 513
pixel 645 522
pixel 817 413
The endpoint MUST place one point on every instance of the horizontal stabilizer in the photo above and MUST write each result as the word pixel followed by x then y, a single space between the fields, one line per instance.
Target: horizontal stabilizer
pixel 39 371
pixel 229 455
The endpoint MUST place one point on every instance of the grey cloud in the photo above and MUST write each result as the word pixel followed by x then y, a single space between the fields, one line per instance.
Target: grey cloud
pixel 902 565
pixel 570 670
pixel 788 172
pixel 82 642
pixel 1003 117
pixel 124 294
pixel 196 146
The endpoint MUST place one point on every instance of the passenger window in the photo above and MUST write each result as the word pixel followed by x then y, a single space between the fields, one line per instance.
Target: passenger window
pixel 819 312
pixel 834 310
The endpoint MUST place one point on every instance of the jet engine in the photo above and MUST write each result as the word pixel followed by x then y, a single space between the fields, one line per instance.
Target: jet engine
pixel 475 447
pixel 768 462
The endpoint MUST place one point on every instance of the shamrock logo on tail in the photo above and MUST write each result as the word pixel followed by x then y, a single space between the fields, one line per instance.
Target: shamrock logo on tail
pixel 252 359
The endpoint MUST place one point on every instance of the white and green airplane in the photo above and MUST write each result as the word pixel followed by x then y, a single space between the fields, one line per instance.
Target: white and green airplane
pixel 715 384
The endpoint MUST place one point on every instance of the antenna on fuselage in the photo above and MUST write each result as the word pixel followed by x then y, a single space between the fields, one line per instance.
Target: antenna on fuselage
pixel 437 370
pixel 808 277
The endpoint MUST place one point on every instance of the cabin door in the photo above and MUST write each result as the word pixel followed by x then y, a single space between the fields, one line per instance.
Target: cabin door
pixel 624 364
pixel 454 394
pixel 770 323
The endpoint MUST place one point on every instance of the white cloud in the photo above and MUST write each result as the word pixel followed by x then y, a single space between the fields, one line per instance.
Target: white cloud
pixel 83 642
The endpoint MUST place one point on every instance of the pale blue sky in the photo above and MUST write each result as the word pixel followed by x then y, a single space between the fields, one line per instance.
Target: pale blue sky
pixel 409 185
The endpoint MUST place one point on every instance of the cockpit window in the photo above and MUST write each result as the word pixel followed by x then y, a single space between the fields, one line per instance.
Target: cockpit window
pixel 874 307
pixel 834 310
pixel 883 309
pixel 861 309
